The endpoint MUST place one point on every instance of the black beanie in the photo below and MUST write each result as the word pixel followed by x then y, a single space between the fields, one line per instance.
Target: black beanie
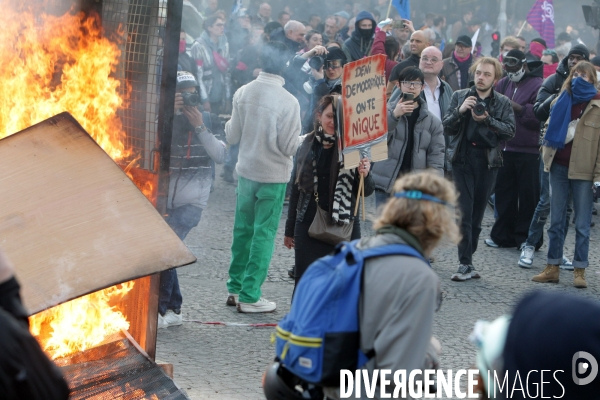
pixel 335 53
pixel 548 331
pixel 518 54
pixel 581 50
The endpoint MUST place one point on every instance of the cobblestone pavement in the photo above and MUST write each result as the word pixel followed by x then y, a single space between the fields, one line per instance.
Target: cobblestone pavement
pixel 227 362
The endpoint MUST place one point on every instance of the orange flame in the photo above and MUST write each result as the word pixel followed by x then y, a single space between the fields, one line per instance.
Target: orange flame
pixel 81 323
pixel 55 64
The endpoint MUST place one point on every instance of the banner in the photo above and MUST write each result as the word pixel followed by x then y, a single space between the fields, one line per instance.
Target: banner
pixel 364 109
pixel 541 18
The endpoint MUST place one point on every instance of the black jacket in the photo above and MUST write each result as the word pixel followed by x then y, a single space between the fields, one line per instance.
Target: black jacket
pixel 300 199
pixel 549 90
pixel 501 122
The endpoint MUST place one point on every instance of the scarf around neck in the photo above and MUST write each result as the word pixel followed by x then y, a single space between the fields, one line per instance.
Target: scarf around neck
pixel 560 116
pixel 342 196
pixel 463 66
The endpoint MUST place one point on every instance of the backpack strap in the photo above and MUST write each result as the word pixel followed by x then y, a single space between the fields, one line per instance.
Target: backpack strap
pixel 392 249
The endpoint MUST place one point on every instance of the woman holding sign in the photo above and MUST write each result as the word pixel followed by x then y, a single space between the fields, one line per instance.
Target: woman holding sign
pixel 322 187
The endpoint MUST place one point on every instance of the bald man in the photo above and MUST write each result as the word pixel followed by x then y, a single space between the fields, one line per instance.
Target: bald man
pixel 437 92
pixel 419 40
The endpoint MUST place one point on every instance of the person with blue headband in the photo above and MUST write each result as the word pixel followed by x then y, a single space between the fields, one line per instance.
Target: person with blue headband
pixel 571 153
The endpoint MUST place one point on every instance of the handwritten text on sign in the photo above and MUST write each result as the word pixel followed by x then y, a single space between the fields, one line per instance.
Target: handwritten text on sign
pixel 363 93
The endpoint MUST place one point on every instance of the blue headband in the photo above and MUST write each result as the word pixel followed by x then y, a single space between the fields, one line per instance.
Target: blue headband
pixel 418 195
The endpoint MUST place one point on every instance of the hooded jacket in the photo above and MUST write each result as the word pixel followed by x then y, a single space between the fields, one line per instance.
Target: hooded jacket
pixel 524 93
pixel 428 149
pixel 551 86
pixel 357 47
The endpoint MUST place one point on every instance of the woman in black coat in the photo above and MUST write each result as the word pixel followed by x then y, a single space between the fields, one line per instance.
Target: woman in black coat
pixel 337 188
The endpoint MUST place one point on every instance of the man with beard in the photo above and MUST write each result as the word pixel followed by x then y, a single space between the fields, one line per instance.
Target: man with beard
pixel 359 44
pixel 518 184
pixel 479 120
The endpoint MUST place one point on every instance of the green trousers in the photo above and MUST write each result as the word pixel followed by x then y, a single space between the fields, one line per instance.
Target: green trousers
pixel 257 215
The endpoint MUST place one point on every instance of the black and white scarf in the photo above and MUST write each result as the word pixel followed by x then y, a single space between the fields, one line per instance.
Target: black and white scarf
pixel 342 196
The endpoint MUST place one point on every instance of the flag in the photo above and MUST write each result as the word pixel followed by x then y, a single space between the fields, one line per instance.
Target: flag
pixel 541 18
pixel 237 4
pixel 403 7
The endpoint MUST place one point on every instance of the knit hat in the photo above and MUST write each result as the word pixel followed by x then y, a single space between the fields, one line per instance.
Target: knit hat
pixel 540 41
pixel 335 53
pixel 342 14
pixel 465 41
pixel 581 50
pixel 518 54
pixel 185 80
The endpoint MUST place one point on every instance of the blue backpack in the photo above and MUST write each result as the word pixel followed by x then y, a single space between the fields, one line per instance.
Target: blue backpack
pixel 321 333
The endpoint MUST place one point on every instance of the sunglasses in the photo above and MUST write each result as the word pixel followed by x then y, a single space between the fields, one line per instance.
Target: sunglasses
pixel 333 64
pixel 512 61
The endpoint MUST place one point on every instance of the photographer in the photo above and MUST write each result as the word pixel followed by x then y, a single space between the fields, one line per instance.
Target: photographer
pixel 326 66
pixel 478 120
pixel 193 147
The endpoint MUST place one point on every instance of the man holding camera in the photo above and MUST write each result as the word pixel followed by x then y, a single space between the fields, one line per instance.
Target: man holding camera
pixel 193 148
pixel 478 120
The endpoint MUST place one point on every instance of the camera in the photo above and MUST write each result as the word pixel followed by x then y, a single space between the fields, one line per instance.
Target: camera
pixel 479 108
pixel 316 63
pixel 190 99
pixel 398 24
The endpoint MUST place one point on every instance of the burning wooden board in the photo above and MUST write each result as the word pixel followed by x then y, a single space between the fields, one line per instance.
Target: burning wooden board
pixel 71 221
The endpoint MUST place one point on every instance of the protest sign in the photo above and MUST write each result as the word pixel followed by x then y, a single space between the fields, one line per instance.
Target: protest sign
pixel 364 110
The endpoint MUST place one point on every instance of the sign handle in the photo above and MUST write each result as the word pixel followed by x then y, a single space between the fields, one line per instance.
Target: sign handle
pixel 360 193
pixel 363 199
pixel 389 9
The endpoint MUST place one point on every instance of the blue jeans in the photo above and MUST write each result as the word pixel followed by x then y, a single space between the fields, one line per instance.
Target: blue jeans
pixel 181 220
pixel 582 205
pixel 536 228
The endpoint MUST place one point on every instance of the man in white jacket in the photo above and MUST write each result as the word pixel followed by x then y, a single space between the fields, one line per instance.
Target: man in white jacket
pixel 265 121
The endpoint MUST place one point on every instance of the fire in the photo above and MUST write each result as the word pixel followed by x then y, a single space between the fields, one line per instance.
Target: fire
pixel 55 64
pixel 81 323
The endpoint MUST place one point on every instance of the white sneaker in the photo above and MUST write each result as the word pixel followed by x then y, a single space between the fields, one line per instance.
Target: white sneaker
pixel 261 306
pixel 463 273
pixel 173 319
pixel 566 264
pixel 491 243
pixel 526 256
pixel 162 323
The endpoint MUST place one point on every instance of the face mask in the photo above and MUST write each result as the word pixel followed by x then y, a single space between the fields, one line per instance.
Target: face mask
pixel 516 76
pixel 181 46
pixel 365 33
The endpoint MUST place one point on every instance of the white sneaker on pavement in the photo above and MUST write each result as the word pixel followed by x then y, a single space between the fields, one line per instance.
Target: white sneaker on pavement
pixel 463 273
pixel 566 264
pixel 173 319
pixel 162 324
pixel 261 306
pixel 526 259
pixel 491 243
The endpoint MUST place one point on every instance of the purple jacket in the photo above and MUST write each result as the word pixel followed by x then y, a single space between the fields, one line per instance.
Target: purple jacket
pixel 527 134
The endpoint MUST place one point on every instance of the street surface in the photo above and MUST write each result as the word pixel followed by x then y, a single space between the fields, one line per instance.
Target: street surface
pixel 227 362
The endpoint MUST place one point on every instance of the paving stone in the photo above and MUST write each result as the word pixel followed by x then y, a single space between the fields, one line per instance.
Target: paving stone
pixel 227 362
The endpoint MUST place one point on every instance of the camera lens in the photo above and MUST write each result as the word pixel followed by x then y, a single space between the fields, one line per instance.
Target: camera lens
pixel 479 109
pixel 191 99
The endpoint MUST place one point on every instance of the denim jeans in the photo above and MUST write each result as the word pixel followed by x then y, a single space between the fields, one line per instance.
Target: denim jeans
pixel 536 228
pixel 582 205
pixel 181 220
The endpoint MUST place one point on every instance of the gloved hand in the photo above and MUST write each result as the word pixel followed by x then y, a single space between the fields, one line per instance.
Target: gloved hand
pixel 384 23
pixel 596 191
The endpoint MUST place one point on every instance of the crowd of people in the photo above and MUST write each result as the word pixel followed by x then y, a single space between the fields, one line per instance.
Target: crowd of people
pixel 518 131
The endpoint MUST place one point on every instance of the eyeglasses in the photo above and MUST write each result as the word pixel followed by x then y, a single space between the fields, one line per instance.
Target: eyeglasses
pixel 220 25
pixel 333 64
pixel 429 60
pixel 412 85
pixel 549 53
pixel 512 61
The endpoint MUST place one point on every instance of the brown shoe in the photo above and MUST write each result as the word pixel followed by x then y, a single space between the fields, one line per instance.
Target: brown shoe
pixel 232 299
pixel 579 281
pixel 548 275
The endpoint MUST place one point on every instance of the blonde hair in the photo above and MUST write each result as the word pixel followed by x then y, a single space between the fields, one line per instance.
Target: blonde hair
pixel 582 66
pixel 427 221
pixel 490 61
pixel 510 41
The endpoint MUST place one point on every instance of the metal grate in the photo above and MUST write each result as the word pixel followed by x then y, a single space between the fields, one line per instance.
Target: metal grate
pixel 137 25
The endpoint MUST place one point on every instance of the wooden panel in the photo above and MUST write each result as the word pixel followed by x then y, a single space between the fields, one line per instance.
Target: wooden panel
pixel 71 221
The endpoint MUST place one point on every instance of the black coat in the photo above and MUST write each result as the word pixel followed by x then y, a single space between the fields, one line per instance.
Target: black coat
pixel 549 90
